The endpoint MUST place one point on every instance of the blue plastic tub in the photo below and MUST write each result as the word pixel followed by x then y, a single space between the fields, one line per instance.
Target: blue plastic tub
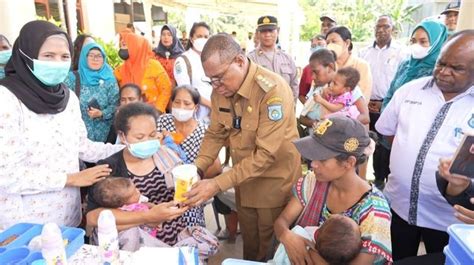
pixel 14 256
pixel 16 252
pixel 450 258
pixel 240 262
pixel 461 242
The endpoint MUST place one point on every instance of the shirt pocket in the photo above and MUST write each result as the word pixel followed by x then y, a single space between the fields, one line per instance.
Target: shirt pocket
pixel 225 119
pixel 248 133
pixel 286 72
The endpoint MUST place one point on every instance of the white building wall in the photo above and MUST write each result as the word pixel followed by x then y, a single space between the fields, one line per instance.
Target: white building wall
pixel 99 18
pixel 13 15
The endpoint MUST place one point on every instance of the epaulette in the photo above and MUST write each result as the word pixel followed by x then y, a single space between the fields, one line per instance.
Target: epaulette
pixel 264 83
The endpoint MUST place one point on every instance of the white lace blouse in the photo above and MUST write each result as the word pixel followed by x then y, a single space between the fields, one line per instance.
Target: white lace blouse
pixel 36 153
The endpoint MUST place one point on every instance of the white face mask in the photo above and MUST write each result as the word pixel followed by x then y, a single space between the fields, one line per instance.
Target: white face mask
pixel 418 51
pixel 182 115
pixel 198 44
pixel 336 48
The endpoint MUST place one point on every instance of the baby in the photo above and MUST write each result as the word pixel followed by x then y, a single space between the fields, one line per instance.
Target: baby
pixel 339 98
pixel 338 240
pixel 121 193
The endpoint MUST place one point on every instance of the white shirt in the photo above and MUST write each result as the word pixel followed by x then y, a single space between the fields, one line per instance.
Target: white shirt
pixel 409 117
pixel 36 153
pixel 181 76
pixel 383 65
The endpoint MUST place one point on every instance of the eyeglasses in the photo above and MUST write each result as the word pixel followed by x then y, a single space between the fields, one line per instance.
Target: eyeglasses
pixel 95 57
pixel 217 81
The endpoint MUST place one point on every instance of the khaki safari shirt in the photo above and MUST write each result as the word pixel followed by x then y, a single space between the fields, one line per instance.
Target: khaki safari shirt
pixel 266 162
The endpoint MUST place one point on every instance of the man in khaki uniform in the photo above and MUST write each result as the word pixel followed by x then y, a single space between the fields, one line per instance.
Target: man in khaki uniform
pixel 252 108
pixel 268 56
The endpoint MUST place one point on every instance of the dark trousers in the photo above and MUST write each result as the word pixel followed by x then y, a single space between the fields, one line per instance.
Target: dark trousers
pixel 381 163
pixel 406 238
pixel 381 157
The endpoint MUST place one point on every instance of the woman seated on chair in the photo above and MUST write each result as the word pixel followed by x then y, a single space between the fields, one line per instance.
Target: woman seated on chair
pixel 336 147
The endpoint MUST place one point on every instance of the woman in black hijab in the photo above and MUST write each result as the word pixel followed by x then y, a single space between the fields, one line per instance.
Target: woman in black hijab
pixel 42 134
pixel 168 50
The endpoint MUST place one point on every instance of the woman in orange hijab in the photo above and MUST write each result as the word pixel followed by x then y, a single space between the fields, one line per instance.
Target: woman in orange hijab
pixel 141 69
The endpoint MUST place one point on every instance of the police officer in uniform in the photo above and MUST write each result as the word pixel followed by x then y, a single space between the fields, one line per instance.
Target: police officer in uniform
pixel 268 56
pixel 252 107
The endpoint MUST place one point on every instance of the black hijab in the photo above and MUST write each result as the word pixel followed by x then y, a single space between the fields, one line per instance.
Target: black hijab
pixel 38 97
pixel 176 48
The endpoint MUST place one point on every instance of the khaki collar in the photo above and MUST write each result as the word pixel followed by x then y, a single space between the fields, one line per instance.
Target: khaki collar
pixel 246 86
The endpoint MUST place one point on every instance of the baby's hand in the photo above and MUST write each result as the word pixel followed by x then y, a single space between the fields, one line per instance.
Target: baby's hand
pixel 317 98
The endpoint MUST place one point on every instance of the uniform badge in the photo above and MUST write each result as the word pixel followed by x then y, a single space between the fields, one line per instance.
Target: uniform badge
pixel 351 144
pixel 322 126
pixel 470 122
pixel 274 100
pixel 266 20
pixel 275 112
pixel 178 68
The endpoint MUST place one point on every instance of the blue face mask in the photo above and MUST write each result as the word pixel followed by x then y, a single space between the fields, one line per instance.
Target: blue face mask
pixel 50 73
pixel 144 150
pixel 5 56
pixel 315 48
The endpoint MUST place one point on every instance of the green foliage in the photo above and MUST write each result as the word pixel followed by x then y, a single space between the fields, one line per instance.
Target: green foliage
pixel 52 20
pixel 111 51
pixel 358 15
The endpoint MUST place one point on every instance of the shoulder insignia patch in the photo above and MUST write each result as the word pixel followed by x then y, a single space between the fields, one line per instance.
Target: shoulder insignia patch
pixel 275 112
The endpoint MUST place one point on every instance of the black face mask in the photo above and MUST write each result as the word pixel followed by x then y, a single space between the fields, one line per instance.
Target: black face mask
pixel 123 54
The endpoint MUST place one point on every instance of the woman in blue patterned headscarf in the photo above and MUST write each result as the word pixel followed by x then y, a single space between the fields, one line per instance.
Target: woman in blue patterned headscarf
pixel 95 85
pixel 426 41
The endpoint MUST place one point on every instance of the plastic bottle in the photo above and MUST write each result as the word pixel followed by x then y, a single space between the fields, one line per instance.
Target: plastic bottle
pixel 108 238
pixel 52 245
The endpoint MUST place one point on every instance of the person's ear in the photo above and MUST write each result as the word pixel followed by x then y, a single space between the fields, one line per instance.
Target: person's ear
pixel 121 136
pixel 332 66
pixel 240 60
pixel 351 162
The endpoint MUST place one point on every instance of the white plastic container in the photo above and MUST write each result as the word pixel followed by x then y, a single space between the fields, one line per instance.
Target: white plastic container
pixel 52 245
pixel 184 177
pixel 108 238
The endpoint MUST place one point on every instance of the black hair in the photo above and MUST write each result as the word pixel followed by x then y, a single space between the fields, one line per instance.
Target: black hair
pixel 195 26
pixel 136 88
pixel 196 97
pixel 122 119
pixel 224 45
pixel 109 192
pixel 78 44
pixel 360 159
pixel 324 57
pixel 342 31
pixel 2 37
pixel 337 240
pixel 351 75
pixel 318 37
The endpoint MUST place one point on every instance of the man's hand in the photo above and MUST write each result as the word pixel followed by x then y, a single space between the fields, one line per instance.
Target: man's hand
pixel 464 215
pixel 374 106
pixel 456 183
pixel 202 191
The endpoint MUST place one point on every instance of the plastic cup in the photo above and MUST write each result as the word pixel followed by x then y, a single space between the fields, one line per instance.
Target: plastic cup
pixel 184 177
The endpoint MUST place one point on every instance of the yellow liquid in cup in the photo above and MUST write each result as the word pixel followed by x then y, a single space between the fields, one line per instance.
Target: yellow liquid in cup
pixel 182 185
